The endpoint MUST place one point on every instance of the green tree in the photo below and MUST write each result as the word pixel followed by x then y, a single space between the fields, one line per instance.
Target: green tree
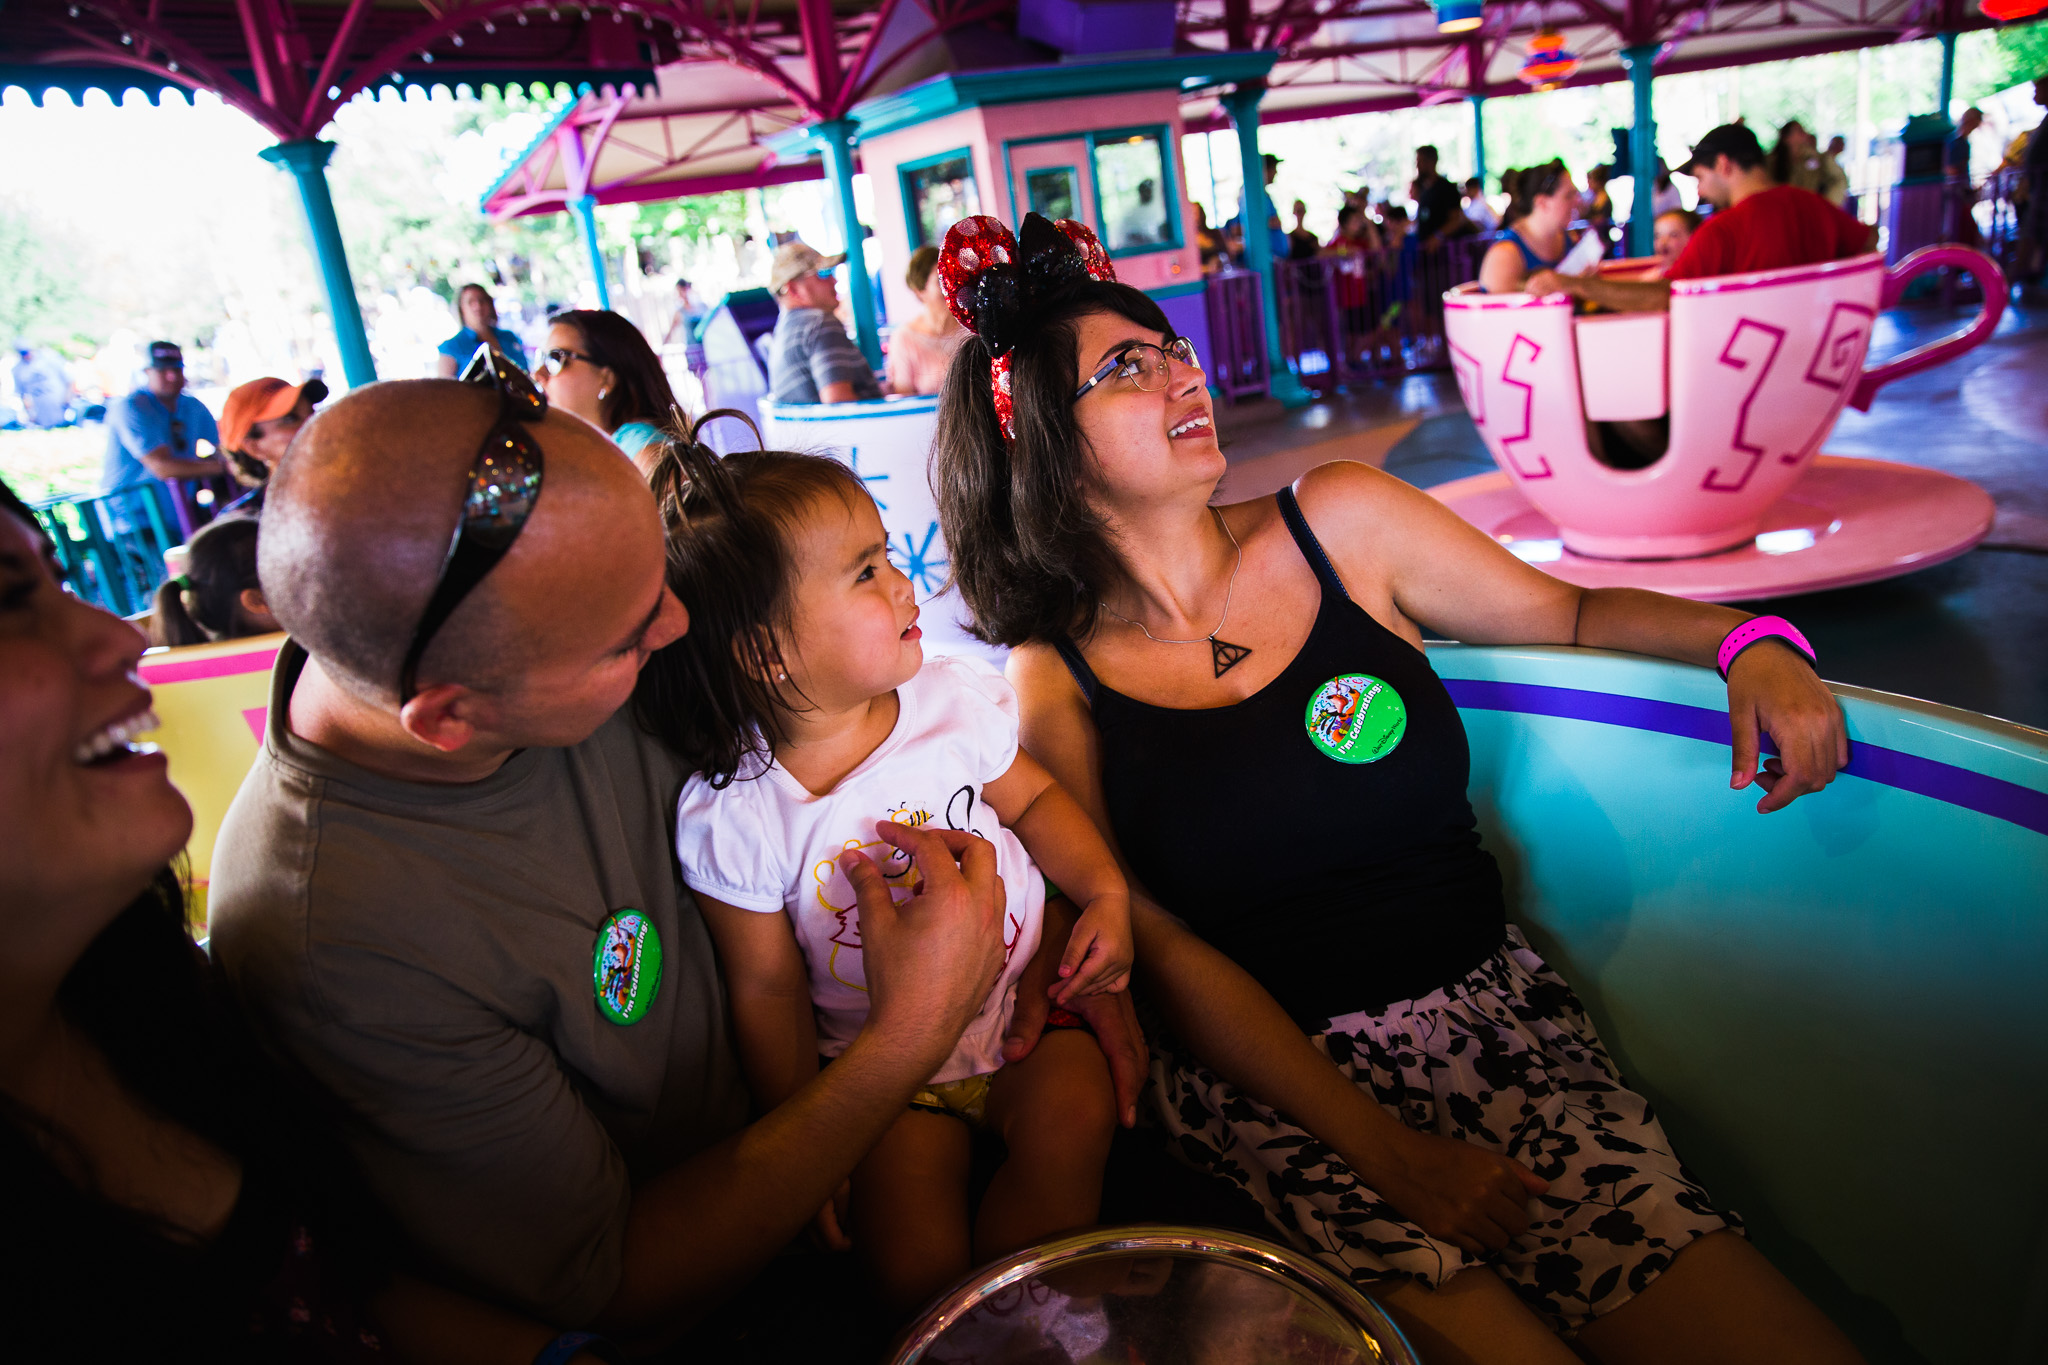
pixel 2022 53
pixel 39 295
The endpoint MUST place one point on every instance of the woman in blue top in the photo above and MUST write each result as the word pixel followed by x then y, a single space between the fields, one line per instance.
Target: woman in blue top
pixel 1544 202
pixel 479 314
pixel 598 366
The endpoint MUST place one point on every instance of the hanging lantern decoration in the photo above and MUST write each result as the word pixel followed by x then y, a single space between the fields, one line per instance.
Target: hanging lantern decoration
pixel 1457 16
pixel 1548 65
pixel 2005 11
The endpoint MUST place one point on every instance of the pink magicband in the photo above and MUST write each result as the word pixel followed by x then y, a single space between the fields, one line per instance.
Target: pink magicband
pixel 1760 628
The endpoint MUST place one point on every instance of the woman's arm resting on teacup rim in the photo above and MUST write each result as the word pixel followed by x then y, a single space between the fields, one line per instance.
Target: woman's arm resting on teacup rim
pixel 1393 542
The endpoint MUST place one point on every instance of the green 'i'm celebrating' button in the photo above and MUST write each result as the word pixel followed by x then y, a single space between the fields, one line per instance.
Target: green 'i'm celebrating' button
pixel 625 966
pixel 1356 718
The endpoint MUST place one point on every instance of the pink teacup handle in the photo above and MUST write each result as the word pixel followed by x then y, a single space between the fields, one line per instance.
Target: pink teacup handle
pixel 1989 277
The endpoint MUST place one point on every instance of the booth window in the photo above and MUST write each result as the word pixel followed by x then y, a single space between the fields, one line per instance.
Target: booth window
pixel 1135 195
pixel 937 193
pixel 1054 192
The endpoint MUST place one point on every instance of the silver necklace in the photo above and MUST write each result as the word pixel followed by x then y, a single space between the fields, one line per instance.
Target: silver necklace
pixel 1222 653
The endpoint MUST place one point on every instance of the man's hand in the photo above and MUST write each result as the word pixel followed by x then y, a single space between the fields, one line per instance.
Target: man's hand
pixel 931 961
pixel 1112 1017
pixel 1545 282
pixel 1773 690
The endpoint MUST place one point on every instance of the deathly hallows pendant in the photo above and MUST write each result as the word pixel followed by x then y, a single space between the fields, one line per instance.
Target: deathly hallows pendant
pixel 1226 655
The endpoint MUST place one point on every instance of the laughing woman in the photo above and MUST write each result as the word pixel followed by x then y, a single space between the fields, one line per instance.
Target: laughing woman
pixel 1239 696
pixel 162 1197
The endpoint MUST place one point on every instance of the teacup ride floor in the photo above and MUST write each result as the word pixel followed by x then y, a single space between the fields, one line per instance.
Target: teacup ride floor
pixel 1969 632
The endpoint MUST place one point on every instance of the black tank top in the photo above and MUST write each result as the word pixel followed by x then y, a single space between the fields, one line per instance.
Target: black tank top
pixel 1318 831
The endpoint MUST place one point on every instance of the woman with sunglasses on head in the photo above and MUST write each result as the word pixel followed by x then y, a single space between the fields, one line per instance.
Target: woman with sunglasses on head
pixel 1239 697
pixel 1543 202
pixel 164 1195
pixel 598 366
pixel 257 424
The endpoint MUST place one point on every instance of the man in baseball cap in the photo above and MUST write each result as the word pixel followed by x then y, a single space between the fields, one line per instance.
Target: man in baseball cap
pixel 256 424
pixel 812 359
pixel 154 431
pixel 1757 224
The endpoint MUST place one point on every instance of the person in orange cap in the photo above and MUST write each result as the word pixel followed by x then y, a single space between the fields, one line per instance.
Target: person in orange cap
pixel 256 424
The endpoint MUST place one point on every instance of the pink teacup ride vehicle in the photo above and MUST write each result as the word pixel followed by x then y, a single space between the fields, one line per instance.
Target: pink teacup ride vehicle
pixel 1741 384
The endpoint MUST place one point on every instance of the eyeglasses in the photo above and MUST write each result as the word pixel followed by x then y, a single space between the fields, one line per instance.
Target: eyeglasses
pixel 557 360
pixel 1144 365
pixel 504 483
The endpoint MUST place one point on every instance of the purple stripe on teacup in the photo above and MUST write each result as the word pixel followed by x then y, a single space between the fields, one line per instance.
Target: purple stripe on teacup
pixel 1993 796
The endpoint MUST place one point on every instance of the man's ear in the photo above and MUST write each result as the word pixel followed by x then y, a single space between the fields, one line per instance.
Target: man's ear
pixel 445 716
pixel 256 609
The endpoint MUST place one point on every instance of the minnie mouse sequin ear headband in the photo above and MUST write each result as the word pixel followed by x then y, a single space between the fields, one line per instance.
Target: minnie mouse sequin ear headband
pixel 994 281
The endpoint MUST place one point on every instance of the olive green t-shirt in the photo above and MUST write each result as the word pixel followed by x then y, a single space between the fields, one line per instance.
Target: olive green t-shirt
pixel 425 954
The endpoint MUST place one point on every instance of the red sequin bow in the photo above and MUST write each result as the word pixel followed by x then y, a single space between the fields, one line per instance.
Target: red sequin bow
pixel 993 281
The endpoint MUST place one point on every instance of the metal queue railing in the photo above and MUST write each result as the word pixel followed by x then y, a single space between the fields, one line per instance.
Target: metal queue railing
pixel 1365 315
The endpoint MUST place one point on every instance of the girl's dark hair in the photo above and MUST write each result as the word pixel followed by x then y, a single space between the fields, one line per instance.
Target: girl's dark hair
pixel 710 696
pixel 1534 182
pixel 206 603
pixel 642 393
pixel 1032 558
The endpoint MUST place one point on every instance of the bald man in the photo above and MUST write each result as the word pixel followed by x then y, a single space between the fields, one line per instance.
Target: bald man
pixel 460 914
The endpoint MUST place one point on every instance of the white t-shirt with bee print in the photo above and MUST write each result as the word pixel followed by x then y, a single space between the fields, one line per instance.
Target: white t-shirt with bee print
pixel 766 843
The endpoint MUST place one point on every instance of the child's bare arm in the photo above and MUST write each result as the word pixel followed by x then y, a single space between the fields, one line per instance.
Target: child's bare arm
pixel 770 992
pixel 1068 848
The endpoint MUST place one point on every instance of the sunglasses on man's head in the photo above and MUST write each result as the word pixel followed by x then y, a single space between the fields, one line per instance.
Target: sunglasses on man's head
pixel 503 485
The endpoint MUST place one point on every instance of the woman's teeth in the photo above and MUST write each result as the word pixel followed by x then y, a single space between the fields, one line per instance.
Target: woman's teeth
pixel 115 739
pixel 1192 424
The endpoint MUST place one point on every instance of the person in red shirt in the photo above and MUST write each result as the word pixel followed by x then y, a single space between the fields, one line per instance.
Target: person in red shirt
pixel 1757 224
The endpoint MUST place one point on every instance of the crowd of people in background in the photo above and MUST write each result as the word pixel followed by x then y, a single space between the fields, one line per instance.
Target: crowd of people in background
pixel 1753 208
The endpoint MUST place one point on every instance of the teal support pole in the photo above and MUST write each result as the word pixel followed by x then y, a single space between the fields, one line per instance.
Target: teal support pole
pixel 1642 149
pixel 1243 104
pixel 1479 140
pixel 586 214
pixel 836 136
pixel 1948 73
pixel 307 161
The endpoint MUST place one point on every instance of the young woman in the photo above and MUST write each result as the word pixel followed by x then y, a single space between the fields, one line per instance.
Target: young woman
pixel 1537 238
pixel 162 1196
pixel 1239 696
pixel 598 366
pixel 922 348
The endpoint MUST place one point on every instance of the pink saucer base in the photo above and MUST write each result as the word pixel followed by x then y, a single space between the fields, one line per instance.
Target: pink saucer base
pixel 1848 521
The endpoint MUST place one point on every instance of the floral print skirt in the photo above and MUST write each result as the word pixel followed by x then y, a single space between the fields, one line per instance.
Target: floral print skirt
pixel 1504 1058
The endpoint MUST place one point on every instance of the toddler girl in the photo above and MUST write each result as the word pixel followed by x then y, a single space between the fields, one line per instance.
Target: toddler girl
pixel 803 700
